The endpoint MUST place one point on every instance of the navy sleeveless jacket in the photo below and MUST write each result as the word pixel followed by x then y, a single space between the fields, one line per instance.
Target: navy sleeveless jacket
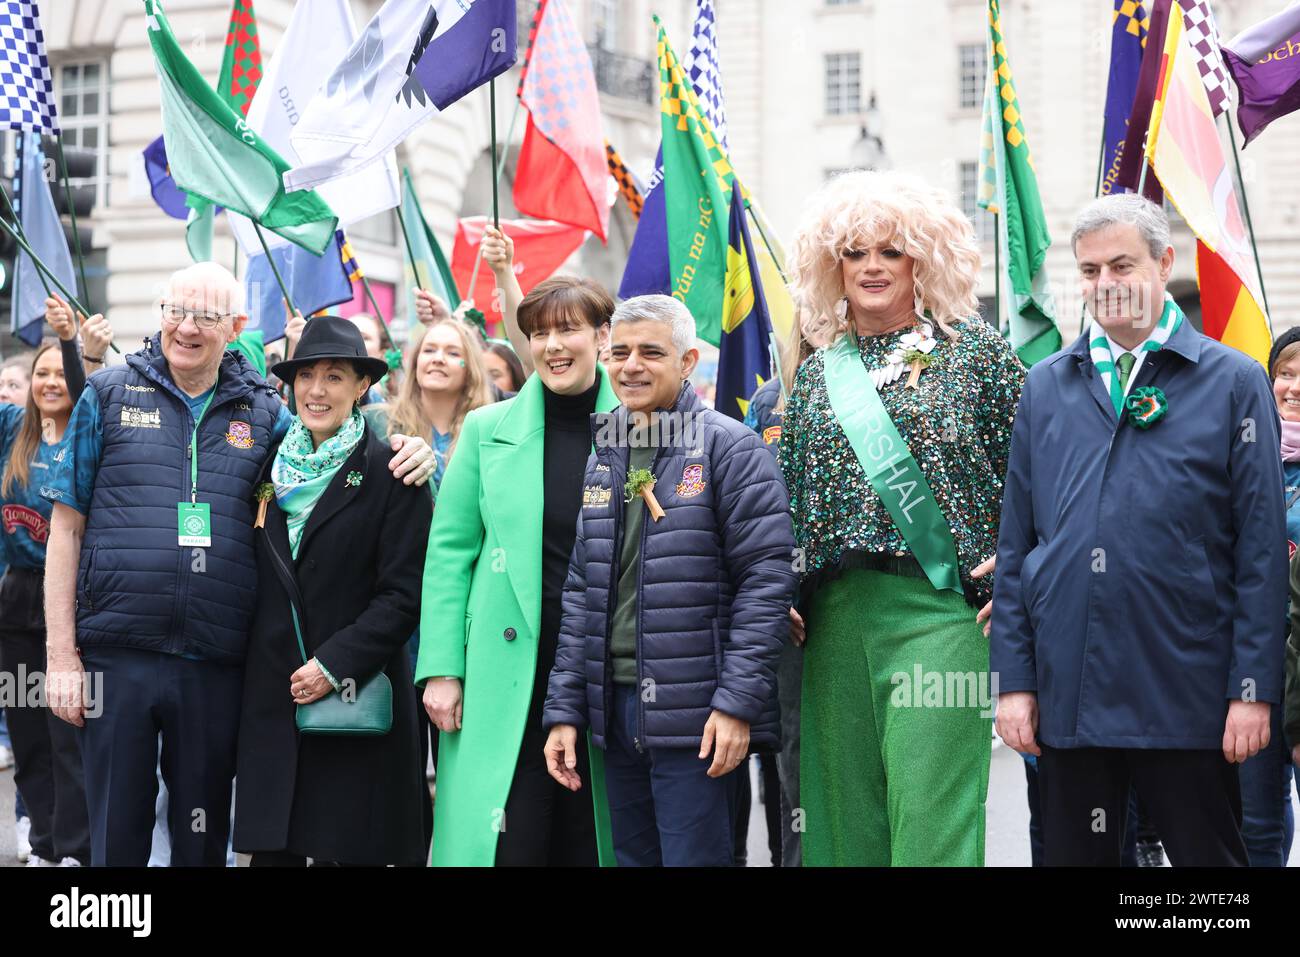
pixel 136 587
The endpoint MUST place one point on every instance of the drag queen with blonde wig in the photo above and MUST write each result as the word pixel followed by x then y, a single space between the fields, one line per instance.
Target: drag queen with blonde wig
pixel 894 448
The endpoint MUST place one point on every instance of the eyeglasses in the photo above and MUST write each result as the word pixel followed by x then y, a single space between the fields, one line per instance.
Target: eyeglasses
pixel 175 315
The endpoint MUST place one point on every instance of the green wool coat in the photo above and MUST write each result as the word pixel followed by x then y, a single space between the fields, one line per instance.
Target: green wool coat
pixel 483 575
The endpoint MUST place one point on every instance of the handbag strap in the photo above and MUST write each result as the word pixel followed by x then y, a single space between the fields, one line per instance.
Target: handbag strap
pixel 290 586
pixel 297 631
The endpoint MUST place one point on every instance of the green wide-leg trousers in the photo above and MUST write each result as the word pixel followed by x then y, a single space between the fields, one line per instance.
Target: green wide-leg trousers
pixel 896 725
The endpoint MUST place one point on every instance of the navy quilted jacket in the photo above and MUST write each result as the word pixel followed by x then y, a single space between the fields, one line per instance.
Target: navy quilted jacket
pixel 715 580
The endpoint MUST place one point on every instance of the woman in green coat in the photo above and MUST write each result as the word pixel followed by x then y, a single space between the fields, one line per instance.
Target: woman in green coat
pixel 498 554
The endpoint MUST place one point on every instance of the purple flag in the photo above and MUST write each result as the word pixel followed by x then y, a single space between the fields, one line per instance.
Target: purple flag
pixel 1265 62
pixel 169 197
pixel 1133 155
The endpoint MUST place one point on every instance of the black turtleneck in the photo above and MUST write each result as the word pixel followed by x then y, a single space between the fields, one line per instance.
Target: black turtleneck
pixel 567 445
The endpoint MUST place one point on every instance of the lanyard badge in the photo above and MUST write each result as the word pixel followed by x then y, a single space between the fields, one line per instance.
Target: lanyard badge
pixel 194 518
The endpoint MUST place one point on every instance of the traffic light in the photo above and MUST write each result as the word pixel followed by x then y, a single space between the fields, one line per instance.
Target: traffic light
pixel 81 176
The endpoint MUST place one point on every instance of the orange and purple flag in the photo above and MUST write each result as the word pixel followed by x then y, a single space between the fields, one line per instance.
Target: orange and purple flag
pixel 1186 154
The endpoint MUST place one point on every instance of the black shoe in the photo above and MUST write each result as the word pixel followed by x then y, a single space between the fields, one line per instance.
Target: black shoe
pixel 1150 855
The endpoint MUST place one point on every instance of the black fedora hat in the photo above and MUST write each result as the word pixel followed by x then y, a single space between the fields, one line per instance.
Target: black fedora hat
pixel 329 337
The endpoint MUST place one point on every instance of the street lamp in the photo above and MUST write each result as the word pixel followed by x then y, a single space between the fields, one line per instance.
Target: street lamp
pixel 869 150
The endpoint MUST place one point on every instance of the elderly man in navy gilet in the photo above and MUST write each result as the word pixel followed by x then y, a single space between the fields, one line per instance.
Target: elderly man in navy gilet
pixel 150 579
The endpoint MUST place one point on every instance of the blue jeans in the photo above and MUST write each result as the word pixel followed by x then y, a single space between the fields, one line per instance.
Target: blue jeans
pixel 1267 821
pixel 664 809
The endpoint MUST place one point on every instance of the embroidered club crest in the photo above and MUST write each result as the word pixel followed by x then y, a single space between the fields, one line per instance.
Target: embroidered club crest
pixel 692 483
pixel 240 435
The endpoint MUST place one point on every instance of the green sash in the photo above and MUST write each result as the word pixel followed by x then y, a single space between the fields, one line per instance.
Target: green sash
pixel 888 464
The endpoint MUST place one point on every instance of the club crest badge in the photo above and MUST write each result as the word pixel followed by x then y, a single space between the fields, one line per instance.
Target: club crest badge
pixel 772 435
pixel 692 483
pixel 240 435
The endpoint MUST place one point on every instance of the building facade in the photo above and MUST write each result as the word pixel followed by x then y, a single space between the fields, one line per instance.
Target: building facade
pixel 801 74
pixel 799 77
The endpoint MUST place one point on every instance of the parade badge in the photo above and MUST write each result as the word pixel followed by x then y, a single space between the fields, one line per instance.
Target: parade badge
pixel 772 435
pixel 1146 406
pixel 692 483
pixel 194 524
pixel 596 496
pixel 240 435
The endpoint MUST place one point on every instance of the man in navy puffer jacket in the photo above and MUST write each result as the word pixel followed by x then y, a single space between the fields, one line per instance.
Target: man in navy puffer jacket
pixel 671 627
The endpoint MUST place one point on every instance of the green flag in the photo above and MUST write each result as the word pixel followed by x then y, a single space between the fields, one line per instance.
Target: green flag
pixel 241 70
pixel 697 182
pixel 430 266
pixel 215 156
pixel 1009 188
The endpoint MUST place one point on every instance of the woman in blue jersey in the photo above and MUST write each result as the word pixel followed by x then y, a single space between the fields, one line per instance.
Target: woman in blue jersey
pixel 48 756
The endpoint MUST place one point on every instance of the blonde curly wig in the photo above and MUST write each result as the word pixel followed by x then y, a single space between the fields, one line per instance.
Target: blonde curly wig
pixel 863 209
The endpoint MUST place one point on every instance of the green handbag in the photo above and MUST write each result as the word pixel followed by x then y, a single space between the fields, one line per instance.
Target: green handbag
pixel 370 712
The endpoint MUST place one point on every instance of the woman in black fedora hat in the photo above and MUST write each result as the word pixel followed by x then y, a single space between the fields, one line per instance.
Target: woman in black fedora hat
pixel 328 763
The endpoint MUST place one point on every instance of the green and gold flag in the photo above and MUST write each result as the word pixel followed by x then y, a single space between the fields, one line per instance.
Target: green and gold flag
pixel 1009 188
pixel 697 182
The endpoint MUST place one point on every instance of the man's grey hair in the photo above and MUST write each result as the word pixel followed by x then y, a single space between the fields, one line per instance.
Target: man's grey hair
pixel 210 283
pixel 659 308
pixel 1132 209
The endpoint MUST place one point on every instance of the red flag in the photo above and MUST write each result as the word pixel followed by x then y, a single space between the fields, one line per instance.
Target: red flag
pixel 540 249
pixel 562 171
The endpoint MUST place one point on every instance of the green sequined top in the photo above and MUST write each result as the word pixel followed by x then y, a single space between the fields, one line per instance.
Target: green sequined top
pixel 957 423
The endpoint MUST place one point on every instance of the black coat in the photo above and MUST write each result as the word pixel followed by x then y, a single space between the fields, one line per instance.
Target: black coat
pixel 355 800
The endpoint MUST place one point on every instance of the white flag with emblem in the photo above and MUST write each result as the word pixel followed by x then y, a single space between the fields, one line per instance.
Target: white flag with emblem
pixel 318 36
pixel 371 100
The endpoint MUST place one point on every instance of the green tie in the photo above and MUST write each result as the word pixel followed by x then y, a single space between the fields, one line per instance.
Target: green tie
pixel 1124 362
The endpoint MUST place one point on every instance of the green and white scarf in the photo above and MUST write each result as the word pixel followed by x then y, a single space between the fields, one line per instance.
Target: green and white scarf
pixel 301 471
pixel 1104 361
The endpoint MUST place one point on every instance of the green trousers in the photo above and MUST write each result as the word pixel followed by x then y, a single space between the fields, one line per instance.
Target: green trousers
pixel 894 765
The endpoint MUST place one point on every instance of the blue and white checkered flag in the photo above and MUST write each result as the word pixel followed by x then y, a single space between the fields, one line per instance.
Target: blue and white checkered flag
pixel 26 84
pixel 702 69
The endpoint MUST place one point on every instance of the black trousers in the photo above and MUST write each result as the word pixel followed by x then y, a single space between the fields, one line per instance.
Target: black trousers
pixel 1191 797
pixel 47 755
pixel 547 825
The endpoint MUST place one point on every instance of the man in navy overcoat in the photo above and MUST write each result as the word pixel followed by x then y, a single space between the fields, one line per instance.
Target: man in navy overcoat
pixel 1138 613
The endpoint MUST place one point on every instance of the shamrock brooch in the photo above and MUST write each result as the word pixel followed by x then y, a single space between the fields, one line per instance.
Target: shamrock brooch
pixel 1146 406
pixel 642 482
pixel 263 493
pixel 353 479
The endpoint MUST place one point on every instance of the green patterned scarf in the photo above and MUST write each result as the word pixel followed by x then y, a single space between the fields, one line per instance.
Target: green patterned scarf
pixel 301 472
pixel 1099 348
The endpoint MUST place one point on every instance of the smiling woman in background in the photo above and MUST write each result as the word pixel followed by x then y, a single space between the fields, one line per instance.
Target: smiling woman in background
pixel 49 775
pixel 445 380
